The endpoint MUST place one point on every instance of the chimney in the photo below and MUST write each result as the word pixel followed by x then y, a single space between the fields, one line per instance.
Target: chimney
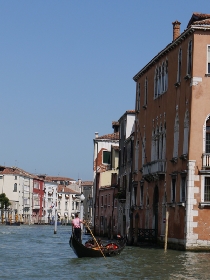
pixel 96 135
pixel 176 29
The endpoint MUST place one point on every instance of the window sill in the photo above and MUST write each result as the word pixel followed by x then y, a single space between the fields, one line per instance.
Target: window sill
pixel 171 204
pixel 177 84
pixel 205 204
pixel 144 107
pixel 187 77
pixel 183 157
pixel 183 204
pixel 174 160
pixel 207 75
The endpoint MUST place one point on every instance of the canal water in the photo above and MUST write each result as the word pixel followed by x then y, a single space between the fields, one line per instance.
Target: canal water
pixel 35 252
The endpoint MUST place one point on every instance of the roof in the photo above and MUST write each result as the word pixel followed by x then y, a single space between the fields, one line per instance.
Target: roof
pixel 128 112
pixel 112 136
pixel 16 171
pixel 87 183
pixel 57 178
pixel 199 19
pixel 196 22
pixel 63 189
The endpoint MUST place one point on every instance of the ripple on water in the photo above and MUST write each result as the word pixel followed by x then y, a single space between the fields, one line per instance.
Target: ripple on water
pixel 35 252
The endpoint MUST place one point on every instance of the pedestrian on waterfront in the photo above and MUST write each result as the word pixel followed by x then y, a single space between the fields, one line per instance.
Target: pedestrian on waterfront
pixel 76 227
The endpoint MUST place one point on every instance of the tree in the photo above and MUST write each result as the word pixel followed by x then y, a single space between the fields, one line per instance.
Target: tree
pixel 4 201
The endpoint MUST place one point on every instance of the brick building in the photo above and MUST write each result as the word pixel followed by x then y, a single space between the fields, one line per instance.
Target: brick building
pixel 172 139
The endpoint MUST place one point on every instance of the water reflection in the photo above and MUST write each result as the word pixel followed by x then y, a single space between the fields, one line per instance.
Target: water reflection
pixel 34 252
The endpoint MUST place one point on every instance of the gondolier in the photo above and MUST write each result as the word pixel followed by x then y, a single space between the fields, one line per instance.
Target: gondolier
pixel 76 227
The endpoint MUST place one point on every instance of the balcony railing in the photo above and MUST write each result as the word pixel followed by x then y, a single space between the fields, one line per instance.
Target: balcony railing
pixel 157 166
pixel 36 207
pixel 206 160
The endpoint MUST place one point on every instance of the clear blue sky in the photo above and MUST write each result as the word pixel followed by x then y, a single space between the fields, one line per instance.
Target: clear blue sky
pixel 66 72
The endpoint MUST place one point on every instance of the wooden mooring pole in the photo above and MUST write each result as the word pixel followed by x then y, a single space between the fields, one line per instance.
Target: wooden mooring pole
pixel 166 231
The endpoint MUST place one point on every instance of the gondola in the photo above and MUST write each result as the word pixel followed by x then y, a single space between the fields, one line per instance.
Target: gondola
pixel 109 250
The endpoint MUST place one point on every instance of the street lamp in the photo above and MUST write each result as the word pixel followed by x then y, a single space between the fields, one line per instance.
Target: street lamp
pixel 82 198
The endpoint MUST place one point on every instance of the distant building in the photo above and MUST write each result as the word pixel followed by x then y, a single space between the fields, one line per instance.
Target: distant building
pixel 87 190
pixel 67 204
pixel 126 147
pixel 103 161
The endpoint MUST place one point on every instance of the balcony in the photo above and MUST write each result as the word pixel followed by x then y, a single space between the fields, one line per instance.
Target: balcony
pixel 36 207
pixel 154 170
pixel 206 161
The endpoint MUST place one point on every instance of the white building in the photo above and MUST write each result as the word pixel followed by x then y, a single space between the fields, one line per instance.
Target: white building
pixel 67 204
pixel 50 201
pixel 17 184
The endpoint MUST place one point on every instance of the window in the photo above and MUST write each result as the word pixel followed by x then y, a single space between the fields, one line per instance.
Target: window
pixel 207 189
pixel 15 187
pixel 173 190
pixel 186 133
pixel 136 156
pixel 105 203
pixel 66 205
pixel 106 157
pixel 143 150
pixel 179 66
pixel 59 205
pixel 145 92
pixel 183 189
pixel 176 137
pixel 189 58
pixel 138 91
pixel 141 194
pixel 208 66
pixel 161 79
pixel 102 201
pixel 101 221
pixel 135 195
pixel 36 185
pixel 208 135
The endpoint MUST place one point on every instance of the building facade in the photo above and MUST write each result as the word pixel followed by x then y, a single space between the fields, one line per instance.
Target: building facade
pixel 103 166
pixel 126 140
pixel 171 171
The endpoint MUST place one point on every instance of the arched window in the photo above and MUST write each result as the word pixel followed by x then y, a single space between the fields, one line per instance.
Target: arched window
pixel 176 136
pixel 153 146
pixel 15 187
pixel 207 146
pixel 189 58
pixel 179 66
pixel 136 155
pixel 166 75
pixel 143 149
pixel 157 143
pixel 186 133
pixel 146 92
pixel 138 95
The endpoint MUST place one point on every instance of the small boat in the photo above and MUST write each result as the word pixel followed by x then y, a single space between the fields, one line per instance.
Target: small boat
pixel 12 223
pixel 109 250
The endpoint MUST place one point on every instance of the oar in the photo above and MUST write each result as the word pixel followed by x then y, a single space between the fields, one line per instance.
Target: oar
pixel 94 239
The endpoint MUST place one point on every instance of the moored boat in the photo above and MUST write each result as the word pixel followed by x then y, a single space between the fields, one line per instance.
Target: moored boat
pixel 13 223
pixel 109 250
